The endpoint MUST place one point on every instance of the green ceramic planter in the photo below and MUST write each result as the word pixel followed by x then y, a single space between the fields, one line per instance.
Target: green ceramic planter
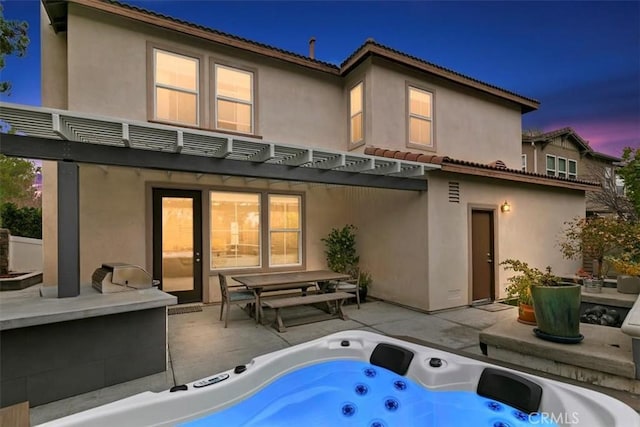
pixel 557 309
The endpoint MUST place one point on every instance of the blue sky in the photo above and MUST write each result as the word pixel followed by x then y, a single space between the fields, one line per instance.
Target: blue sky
pixel 581 60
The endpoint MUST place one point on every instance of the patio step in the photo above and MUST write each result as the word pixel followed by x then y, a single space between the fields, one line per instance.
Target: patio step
pixel 603 358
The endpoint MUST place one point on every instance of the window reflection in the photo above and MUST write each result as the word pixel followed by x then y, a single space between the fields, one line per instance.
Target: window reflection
pixel 420 117
pixel 355 105
pixel 235 230
pixel 284 230
pixel 176 87
pixel 234 99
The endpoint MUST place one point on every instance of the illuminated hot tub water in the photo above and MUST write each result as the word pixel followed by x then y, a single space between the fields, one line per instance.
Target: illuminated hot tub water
pixel 354 393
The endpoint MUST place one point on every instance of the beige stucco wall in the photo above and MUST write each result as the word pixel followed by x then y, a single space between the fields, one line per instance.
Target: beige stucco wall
pixel 50 223
pixel 529 232
pixel 108 71
pixel 466 126
pixel 116 216
pixel 414 244
pixel 392 242
pixel 115 207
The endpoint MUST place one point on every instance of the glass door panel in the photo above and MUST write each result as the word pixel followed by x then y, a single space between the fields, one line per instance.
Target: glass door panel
pixel 177 243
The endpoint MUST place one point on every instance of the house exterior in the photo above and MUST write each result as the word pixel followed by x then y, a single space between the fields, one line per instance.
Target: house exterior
pixel 432 240
pixel 563 153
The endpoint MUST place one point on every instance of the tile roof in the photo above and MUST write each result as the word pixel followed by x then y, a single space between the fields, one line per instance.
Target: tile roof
pixel 444 161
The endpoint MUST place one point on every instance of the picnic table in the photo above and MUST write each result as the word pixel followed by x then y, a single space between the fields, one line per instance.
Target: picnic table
pixel 269 282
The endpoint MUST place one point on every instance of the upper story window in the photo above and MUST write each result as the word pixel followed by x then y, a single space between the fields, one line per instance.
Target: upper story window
pixel 523 165
pixel 234 99
pixel 551 165
pixel 420 117
pixel 176 91
pixel 562 167
pixel 356 123
pixel 573 169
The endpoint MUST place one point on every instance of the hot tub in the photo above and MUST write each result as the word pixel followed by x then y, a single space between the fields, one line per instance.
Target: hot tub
pixel 358 378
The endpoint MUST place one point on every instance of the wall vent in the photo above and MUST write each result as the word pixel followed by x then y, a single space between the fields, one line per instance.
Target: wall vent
pixel 454 192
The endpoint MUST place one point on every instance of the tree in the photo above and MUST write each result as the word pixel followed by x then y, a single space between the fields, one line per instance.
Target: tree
pixel 16 182
pixel 530 132
pixel 13 40
pixel 595 237
pixel 630 173
pixel 608 197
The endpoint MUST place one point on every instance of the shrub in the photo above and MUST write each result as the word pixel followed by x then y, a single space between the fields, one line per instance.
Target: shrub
pixel 25 222
pixel 340 249
pixel 520 286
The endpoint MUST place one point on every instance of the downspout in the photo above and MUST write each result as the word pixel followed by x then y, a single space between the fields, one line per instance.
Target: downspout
pixel 535 157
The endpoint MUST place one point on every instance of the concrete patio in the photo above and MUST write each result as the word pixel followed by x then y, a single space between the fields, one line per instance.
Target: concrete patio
pixel 200 346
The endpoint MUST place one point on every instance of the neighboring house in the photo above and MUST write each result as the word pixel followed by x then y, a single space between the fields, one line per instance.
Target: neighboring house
pixel 268 150
pixel 564 154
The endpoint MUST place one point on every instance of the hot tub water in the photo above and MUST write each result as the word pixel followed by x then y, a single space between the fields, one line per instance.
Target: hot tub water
pixel 355 393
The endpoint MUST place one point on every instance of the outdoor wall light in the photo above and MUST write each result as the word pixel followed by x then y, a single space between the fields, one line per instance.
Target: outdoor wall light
pixel 505 207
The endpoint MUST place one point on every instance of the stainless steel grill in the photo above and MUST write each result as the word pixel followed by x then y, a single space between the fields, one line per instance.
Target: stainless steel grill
pixel 119 276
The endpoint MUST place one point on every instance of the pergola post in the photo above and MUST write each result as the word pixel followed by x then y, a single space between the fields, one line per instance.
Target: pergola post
pixel 68 230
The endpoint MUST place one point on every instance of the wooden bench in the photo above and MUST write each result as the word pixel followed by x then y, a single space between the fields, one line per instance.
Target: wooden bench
pixel 337 298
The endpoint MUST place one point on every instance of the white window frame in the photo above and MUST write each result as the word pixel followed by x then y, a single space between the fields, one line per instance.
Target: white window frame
pixel 271 230
pixel 360 112
pixel 572 175
pixel 523 162
pixel 555 165
pixel 419 117
pixel 559 173
pixel 217 97
pixel 175 88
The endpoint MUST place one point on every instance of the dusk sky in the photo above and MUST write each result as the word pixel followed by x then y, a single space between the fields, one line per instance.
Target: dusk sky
pixel 581 60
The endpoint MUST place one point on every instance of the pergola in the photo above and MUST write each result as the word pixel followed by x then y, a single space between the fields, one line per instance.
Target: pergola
pixel 71 138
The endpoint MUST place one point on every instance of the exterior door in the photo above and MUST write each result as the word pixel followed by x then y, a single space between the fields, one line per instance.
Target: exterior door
pixel 482 256
pixel 177 243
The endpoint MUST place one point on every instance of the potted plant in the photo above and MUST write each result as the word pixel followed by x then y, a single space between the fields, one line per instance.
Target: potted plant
pixel 364 281
pixel 340 250
pixel 556 304
pixel 342 257
pixel 628 273
pixel 520 288
pixel 557 308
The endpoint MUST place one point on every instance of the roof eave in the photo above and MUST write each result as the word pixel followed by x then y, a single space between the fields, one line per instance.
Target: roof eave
pixel 371 49
pixel 57 13
pixel 510 176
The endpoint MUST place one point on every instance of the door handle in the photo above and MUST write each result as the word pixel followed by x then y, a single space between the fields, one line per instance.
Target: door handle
pixel 489 260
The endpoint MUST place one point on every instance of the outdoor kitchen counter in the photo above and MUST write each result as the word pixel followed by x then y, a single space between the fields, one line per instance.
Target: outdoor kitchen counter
pixel 19 309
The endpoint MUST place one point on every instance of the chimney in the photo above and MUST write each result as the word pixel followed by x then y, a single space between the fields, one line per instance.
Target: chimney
pixel 312 48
